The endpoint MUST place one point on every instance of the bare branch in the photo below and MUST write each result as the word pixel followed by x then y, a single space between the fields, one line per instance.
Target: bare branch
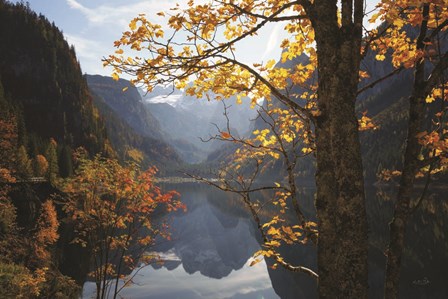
pixel 436 74
pixel 439 28
pixel 372 84
pixel 263 17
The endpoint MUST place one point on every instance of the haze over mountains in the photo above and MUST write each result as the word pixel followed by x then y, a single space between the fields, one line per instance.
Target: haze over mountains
pixel 129 125
pixel 185 120
pixel 168 118
pixel 52 99
pixel 53 118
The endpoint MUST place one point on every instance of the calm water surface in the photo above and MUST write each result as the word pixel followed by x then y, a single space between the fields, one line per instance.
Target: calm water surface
pixel 213 241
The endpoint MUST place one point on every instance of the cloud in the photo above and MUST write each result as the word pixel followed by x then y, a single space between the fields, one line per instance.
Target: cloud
pixel 84 47
pixel 78 6
pixel 273 41
pixel 90 52
pixel 103 24
pixel 93 38
pixel 118 14
pixel 170 284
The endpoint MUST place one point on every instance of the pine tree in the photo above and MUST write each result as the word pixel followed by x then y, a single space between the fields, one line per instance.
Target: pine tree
pixel 52 158
pixel 65 162
pixel 23 162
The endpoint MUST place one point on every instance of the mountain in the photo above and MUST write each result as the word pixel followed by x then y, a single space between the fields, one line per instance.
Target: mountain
pixel 125 100
pixel 43 84
pixel 46 111
pixel 181 130
pixel 185 120
pixel 53 102
pixel 128 123
pixel 385 103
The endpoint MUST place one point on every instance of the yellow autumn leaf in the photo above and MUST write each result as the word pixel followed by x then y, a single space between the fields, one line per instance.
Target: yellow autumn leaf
pixel 311 35
pixel 374 18
pixel 273 243
pixel 306 150
pixel 273 231
pixel 430 99
pixel 133 24
pixel 238 99
pixel 254 262
pixel 398 22
pixel 268 253
pixel 270 64
pixel 380 57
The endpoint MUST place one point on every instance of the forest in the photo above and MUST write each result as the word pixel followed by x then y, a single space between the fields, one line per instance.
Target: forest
pixel 320 173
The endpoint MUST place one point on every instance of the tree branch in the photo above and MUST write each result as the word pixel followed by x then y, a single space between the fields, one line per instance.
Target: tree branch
pixel 276 92
pixel 436 74
pixel 372 84
pixel 263 17
pixel 438 29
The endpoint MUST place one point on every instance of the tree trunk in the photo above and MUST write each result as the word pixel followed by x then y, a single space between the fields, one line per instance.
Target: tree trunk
pixel 403 204
pixel 340 201
pixel 403 207
pixel 340 205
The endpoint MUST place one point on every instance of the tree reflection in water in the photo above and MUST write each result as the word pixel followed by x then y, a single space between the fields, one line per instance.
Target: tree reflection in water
pixel 212 243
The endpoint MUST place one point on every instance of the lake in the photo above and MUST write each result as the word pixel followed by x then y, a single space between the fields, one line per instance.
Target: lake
pixel 212 243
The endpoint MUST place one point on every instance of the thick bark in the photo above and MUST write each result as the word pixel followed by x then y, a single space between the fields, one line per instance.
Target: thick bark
pixel 403 207
pixel 411 165
pixel 403 204
pixel 340 201
pixel 340 204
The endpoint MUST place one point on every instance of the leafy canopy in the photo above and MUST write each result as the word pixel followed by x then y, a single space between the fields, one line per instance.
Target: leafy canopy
pixel 196 48
pixel 113 212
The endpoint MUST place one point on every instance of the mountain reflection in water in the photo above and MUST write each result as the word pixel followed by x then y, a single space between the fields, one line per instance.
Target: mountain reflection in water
pixel 213 241
pixel 208 254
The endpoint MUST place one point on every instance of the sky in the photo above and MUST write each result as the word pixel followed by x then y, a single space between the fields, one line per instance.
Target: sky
pixel 93 25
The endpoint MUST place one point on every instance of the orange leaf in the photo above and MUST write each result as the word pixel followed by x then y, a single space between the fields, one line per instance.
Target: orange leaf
pixel 225 135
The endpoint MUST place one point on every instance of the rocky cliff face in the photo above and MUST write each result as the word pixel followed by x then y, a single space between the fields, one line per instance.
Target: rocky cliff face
pixel 129 125
pixel 126 102
pixel 185 120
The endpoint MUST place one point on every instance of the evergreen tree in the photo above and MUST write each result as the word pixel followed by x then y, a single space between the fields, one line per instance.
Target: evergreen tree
pixel 50 96
pixel 24 168
pixel 21 128
pixel 65 162
pixel 52 158
pixel 8 134
pixel 5 106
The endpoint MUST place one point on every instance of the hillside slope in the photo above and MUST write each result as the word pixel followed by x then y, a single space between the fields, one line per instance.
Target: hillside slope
pixel 43 84
pixel 129 125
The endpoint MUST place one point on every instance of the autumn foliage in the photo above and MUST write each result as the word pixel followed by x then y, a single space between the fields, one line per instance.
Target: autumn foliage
pixel 113 210
pixel 47 230
pixel 197 50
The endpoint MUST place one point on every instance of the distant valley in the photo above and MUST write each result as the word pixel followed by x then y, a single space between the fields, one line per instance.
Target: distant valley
pixel 187 122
